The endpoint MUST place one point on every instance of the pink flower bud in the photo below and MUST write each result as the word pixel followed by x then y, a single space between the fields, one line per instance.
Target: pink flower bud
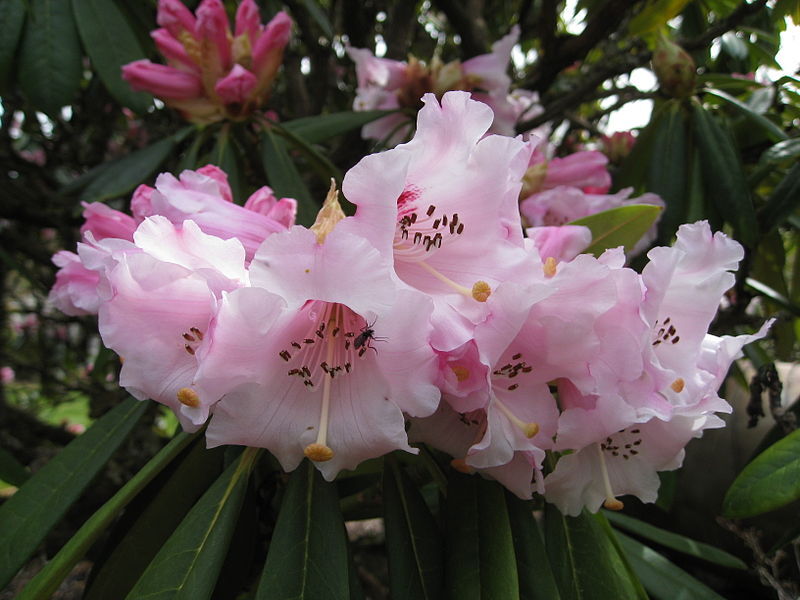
pixel 674 69
pixel 176 18
pixel 159 80
pixel 212 26
pixel 263 201
pixel 172 49
pixel 268 49
pixel 105 222
pixel 618 145
pixel 221 177
pixel 248 20
pixel 237 86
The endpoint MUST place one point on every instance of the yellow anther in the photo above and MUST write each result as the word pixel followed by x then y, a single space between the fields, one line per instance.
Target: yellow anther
pixel 460 465
pixel 242 52
pixel 462 373
pixel 678 385
pixel 549 266
pixel 613 504
pixel 481 291
pixel 329 215
pixel 530 429
pixel 188 397
pixel 318 452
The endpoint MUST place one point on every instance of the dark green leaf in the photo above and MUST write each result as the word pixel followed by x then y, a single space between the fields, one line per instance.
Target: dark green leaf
pixel 227 157
pixel 723 179
pixel 50 60
pixel 188 565
pixel 12 19
pixel 284 178
pixel 675 541
pixel 774 132
pixel 623 226
pixel 768 482
pixel 584 559
pixel 480 563
pixel 773 295
pixel 783 201
pixel 110 43
pixel 316 159
pixel 323 127
pixel 784 150
pixel 307 556
pixel 660 577
pixel 318 14
pixel 28 515
pixel 50 577
pixel 536 579
pixel 413 539
pixel 11 470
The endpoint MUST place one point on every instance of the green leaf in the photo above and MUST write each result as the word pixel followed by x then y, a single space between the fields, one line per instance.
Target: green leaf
pixel 675 541
pixel 782 202
pixel 480 563
pixel 188 564
pixel 660 577
pixel 655 15
pixel 110 43
pixel 150 520
pixel 316 159
pixel 536 579
pixel 318 14
pixel 774 132
pixel 120 177
pixel 11 470
pixel 50 577
pixel 622 226
pixel 50 61
pixel 307 556
pixel 227 157
pixel 584 559
pixel 284 178
pixel 770 481
pixel 413 539
pixel 723 179
pixel 27 517
pixel 315 130
pixel 12 19
pixel 783 150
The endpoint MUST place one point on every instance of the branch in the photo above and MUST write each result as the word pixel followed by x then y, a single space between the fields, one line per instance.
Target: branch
pixel 467 19
pixel 397 33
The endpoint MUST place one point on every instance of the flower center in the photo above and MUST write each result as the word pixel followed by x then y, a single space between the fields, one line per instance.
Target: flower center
pixel 666 333
pixel 192 339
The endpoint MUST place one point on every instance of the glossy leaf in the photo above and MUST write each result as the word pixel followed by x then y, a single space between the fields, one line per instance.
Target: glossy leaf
pixel 27 517
pixel 536 579
pixel 723 179
pixel 323 127
pixel 782 202
pixel 50 577
pixel 110 43
pixel 480 563
pixel 11 470
pixel 774 132
pixel 50 56
pixel 227 157
pixel 662 579
pixel 584 560
pixel 188 564
pixel 623 226
pixel 307 556
pixel 770 481
pixel 675 541
pixel 413 539
pixel 784 150
pixel 12 19
pixel 316 159
pixel 284 178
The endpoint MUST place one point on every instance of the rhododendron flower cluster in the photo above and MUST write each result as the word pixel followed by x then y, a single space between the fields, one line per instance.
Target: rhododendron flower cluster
pixel 385 84
pixel 211 72
pixel 427 316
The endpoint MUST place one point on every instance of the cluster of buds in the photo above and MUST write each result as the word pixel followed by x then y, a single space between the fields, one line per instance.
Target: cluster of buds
pixel 211 73
pixel 425 317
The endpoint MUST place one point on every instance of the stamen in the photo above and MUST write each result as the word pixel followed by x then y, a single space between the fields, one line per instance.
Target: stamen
pixel 446 280
pixel 611 503
pixel 319 451
pixel 188 397
pixel 528 429
pixel 549 267
pixel 678 385
pixel 461 372
pixel 481 291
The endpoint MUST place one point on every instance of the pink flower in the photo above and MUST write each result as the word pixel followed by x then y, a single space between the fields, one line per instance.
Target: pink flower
pixel 105 222
pixel 75 290
pixel 211 74
pixel 7 374
pixel 618 145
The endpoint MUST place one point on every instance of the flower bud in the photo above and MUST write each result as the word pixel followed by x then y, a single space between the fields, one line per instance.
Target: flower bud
pixel 674 69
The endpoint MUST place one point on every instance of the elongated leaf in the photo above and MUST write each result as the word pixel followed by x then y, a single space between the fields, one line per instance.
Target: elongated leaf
pixel 12 19
pixel 111 43
pixel 227 157
pixel 675 541
pixel 50 60
pixel 723 179
pixel 284 178
pixel 323 127
pixel 785 150
pixel 316 159
pixel 660 577
pixel 584 560
pixel 188 565
pixel 782 202
pixel 11 470
pixel 50 577
pixel 536 579
pixel 307 556
pixel 775 133
pixel 27 517
pixel 655 15
pixel 120 177
pixel 150 520
pixel 318 14
pixel 768 482
pixel 623 226
pixel 413 539
pixel 480 563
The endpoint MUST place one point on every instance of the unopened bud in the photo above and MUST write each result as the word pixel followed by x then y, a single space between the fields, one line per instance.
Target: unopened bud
pixel 674 68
